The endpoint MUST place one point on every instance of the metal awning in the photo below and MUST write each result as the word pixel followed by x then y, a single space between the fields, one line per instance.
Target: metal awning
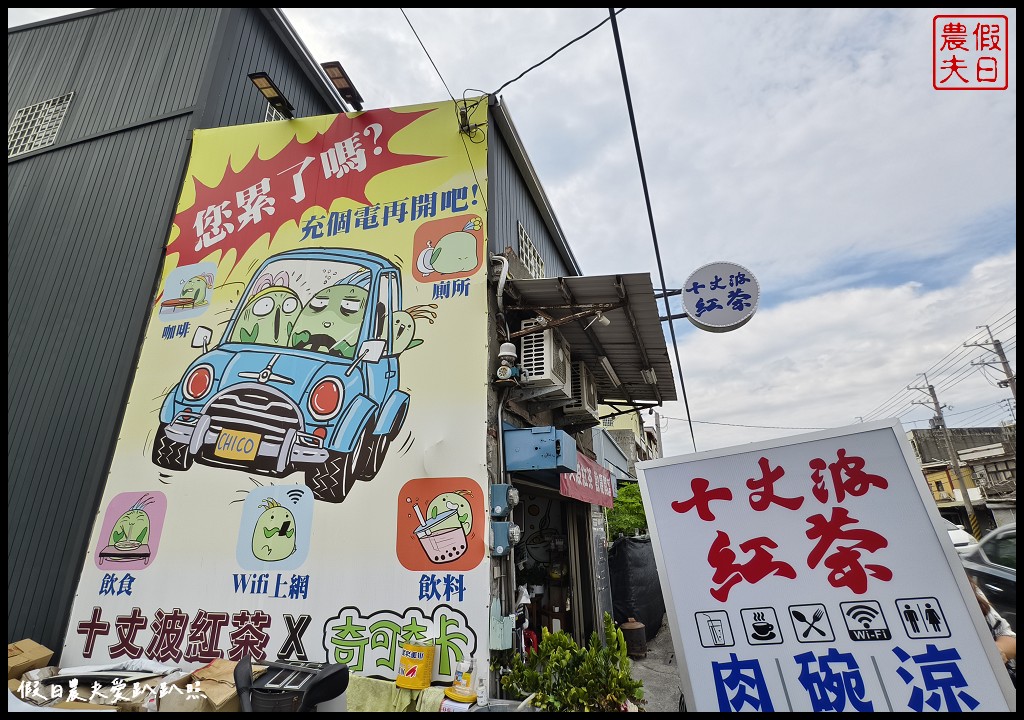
pixel 632 341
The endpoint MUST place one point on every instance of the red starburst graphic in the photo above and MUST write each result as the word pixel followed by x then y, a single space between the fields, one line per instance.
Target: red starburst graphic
pixel 268 193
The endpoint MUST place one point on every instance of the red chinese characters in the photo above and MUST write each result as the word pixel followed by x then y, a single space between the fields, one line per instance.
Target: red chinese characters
pixel 836 545
pixel 970 52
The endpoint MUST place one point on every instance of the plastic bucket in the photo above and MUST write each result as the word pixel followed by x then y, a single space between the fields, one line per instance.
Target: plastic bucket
pixel 415 666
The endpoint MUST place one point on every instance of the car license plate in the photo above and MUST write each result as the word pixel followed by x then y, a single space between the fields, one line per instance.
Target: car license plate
pixel 237 445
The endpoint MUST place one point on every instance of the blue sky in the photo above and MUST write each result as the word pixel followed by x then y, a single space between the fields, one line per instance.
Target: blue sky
pixel 808 145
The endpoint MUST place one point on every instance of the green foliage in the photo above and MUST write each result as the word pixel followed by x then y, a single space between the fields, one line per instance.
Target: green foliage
pixel 628 513
pixel 564 677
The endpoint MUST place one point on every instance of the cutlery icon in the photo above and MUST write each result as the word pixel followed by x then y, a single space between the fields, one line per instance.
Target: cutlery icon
pixel 812 624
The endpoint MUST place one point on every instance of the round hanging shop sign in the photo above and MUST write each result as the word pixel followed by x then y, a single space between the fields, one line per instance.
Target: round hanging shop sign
pixel 720 296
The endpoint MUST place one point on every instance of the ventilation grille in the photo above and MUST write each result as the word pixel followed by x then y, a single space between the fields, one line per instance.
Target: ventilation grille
pixel 35 127
pixel 545 359
pixel 528 254
pixel 584 392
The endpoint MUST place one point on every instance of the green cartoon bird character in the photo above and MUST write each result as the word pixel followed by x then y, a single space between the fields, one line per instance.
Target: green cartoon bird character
pixel 331 320
pixel 449 501
pixel 274 536
pixel 455 252
pixel 269 314
pixel 197 288
pixel 403 326
pixel 132 529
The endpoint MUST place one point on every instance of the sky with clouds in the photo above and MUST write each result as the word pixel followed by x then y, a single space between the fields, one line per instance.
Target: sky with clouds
pixel 808 145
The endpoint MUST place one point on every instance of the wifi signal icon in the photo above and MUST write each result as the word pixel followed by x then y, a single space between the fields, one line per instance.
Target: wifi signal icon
pixel 296 495
pixel 863 614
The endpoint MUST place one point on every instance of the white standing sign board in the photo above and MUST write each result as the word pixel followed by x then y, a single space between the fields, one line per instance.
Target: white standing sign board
pixel 812 573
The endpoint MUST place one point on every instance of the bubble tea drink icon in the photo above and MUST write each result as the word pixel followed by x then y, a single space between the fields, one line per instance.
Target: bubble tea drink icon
pixel 442 537
pixel 715 630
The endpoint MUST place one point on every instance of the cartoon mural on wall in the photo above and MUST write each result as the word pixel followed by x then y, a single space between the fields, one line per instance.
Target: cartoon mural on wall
pixel 300 377
pixel 189 290
pixel 132 533
pixel 276 528
pixel 440 523
pixel 327 402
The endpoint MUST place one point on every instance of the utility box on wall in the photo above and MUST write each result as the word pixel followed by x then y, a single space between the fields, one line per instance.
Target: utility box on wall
pixel 539 451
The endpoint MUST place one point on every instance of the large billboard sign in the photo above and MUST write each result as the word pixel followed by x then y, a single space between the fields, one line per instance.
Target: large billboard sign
pixel 301 469
pixel 812 574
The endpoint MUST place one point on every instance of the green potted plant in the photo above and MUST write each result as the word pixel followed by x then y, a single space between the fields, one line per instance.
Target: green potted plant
pixel 564 677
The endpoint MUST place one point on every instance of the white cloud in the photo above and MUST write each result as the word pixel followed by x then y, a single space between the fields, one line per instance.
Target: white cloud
pixel 878 214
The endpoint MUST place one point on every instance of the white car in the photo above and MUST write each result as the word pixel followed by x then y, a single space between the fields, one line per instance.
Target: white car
pixel 962 540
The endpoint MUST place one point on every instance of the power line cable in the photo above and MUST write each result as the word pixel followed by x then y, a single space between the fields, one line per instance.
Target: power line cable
pixel 757 427
pixel 427 53
pixel 650 214
pixel 953 359
pixel 537 65
pixel 465 104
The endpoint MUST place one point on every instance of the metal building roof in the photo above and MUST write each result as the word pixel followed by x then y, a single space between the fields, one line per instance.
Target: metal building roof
pixel 632 341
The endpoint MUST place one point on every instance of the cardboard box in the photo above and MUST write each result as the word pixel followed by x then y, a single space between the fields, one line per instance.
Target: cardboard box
pixel 26 655
pixel 83 706
pixel 216 688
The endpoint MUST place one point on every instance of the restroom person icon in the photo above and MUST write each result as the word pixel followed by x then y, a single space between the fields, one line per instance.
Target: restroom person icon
pixel 912 617
pixel 932 618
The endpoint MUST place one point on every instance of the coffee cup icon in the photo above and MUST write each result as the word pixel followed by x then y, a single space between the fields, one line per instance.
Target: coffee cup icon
pixel 763 631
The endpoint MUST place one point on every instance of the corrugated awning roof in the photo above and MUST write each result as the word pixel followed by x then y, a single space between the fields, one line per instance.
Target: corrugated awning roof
pixel 633 341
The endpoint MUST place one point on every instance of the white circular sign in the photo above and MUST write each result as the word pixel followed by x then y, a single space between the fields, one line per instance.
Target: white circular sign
pixel 720 296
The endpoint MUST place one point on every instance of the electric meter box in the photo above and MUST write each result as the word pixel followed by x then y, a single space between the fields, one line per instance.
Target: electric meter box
pixel 539 450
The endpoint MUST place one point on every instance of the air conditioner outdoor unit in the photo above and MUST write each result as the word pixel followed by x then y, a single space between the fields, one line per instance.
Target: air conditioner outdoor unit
pixel 544 361
pixel 584 393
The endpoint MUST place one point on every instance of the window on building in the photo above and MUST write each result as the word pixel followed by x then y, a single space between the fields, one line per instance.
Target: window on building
pixel 528 254
pixel 938 486
pixel 35 127
pixel 272 114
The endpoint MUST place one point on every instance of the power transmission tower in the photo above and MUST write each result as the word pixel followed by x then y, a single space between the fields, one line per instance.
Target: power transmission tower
pixel 939 423
pixel 997 348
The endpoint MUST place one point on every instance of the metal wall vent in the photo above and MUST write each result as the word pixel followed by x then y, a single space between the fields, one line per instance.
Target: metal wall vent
pixel 35 127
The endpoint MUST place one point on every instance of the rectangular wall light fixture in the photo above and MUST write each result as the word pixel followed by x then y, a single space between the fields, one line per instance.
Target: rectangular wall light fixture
pixel 609 370
pixel 273 96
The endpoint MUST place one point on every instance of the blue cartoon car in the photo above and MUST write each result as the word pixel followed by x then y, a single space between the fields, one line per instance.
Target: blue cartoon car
pixel 305 376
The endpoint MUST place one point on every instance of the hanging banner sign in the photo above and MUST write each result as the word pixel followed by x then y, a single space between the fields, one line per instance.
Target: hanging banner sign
pixel 590 483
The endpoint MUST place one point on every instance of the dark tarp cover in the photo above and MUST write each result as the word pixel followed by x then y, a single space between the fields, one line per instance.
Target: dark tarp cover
pixel 636 589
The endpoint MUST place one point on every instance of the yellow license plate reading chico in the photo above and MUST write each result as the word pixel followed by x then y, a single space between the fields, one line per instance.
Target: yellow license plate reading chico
pixel 237 445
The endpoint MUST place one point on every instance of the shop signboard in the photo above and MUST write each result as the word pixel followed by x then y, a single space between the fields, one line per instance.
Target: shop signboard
pixel 301 469
pixel 812 573
pixel 591 483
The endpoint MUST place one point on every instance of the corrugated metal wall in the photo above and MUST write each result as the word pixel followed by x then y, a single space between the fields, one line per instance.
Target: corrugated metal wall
pixel 87 222
pixel 510 203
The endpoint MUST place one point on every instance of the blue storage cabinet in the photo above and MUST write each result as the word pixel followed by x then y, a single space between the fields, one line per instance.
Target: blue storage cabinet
pixel 544 451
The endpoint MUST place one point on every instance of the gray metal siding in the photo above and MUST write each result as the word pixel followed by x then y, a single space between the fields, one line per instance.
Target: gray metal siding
pixel 510 203
pixel 86 229
pixel 249 46
pixel 87 223
pixel 125 67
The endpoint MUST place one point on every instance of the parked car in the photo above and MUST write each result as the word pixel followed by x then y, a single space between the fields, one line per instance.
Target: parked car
pixel 993 565
pixel 962 540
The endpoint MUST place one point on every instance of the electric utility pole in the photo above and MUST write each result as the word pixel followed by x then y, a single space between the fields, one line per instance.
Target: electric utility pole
pixel 939 423
pixel 997 348
pixel 1009 408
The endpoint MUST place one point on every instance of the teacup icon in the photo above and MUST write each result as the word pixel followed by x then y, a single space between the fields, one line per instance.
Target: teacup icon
pixel 763 630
